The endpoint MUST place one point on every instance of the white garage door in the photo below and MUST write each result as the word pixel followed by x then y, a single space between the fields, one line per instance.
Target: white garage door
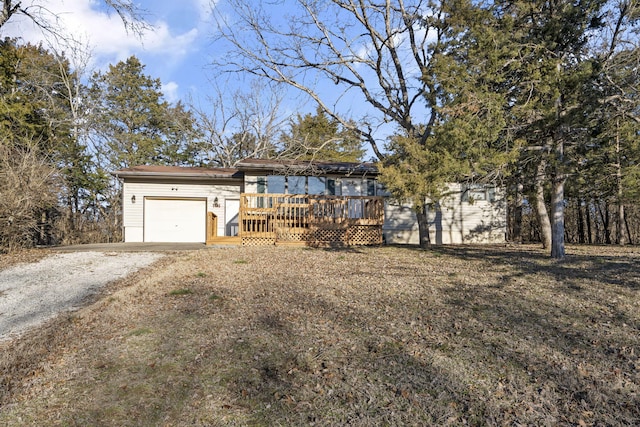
pixel 175 220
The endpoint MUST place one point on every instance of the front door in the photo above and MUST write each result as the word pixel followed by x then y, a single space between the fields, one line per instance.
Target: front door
pixel 231 213
pixel 353 187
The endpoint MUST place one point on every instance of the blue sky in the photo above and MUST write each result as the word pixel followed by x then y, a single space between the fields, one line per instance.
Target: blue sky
pixel 177 51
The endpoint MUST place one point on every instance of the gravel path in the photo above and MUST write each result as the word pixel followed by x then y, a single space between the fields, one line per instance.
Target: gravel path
pixel 33 293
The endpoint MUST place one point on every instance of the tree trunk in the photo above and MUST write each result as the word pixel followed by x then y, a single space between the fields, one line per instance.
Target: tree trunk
pixel 541 207
pixel 588 218
pixel 581 236
pixel 626 224
pixel 516 230
pixel 620 230
pixel 607 228
pixel 621 221
pixel 423 227
pixel 604 217
pixel 557 203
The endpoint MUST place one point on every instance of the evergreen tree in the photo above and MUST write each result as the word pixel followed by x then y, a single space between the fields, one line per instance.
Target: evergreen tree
pixel 24 111
pixel 529 69
pixel 182 138
pixel 467 138
pixel 38 92
pixel 321 138
pixel 132 122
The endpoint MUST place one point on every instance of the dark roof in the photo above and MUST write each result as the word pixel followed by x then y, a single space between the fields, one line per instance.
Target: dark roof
pixel 179 172
pixel 307 167
pixel 290 167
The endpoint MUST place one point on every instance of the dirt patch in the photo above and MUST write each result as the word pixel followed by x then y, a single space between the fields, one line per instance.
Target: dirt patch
pixel 376 336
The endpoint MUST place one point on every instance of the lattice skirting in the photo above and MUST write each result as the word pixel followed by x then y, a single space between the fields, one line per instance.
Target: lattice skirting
pixel 289 236
pixel 354 235
pixel 258 241
pixel 364 235
pixel 323 237
pixel 329 235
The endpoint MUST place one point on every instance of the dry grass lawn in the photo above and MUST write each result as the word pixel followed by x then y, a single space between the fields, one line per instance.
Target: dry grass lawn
pixel 372 336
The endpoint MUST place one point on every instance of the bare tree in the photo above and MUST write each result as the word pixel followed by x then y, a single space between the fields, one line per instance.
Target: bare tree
pixel 131 15
pixel 374 53
pixel 620 82
pixel 240 125
pixel 29 189
pixel 373 57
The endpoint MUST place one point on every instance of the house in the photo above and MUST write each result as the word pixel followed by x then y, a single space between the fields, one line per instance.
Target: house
pixel 291 201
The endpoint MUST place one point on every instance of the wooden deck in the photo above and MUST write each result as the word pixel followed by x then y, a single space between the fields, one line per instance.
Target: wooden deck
pixel 271 219
pixel 225 240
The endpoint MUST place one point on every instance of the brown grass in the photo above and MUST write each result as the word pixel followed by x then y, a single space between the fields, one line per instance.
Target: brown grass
pixel 22 256
pixel 376 336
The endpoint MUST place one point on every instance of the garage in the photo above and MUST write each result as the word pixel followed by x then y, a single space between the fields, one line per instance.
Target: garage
pixel 175 220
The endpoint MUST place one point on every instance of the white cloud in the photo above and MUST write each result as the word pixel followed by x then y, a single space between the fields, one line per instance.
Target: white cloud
pixel 170 91
pixel 88 22
pixel 204 8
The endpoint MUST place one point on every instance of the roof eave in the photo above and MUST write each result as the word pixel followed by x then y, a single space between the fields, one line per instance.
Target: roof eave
pixel 165 175
pixel 359 169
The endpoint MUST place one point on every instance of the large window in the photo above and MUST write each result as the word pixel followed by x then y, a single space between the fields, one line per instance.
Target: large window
pixel 371 187
pixel 297 184
pixel 334 187
pixel 316 185
pixel 261 184
pixel 276 184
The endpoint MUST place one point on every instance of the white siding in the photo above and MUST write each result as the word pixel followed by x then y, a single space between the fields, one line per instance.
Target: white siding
pixel 133 234
pixel 133 212
pixel 251 183
pixel 400 224
pixel 450 222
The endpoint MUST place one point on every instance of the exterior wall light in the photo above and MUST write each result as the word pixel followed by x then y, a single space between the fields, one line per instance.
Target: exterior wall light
pixel 216 203
pixel 133 198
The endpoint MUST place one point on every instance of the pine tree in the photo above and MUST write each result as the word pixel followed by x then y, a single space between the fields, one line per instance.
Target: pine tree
pixel 319 137
pixel 133 123
pixel 23 107
pixel 529 70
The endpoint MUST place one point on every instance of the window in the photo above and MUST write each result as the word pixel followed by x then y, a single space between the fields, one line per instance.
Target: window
pixel 262 188
pixel 275 184
pixel 262 184
pixel 297 185
pixel 371 187
pixel 316 185
pixel 334 187
pixel 472 193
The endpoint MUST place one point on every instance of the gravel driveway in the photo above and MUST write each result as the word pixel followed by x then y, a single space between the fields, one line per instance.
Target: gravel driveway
pixel 33 293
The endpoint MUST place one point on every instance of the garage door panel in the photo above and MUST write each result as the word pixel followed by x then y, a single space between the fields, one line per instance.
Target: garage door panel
pixel 182 220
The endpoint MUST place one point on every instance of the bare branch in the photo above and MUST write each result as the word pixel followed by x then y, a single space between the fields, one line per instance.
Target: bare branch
pixel 132 17
pixel 373 53
pixel 240 125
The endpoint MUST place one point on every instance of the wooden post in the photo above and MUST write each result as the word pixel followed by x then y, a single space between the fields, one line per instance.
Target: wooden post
pixel 212 227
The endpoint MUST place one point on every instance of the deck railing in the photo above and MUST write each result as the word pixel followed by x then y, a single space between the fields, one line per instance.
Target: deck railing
pixel 311 219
